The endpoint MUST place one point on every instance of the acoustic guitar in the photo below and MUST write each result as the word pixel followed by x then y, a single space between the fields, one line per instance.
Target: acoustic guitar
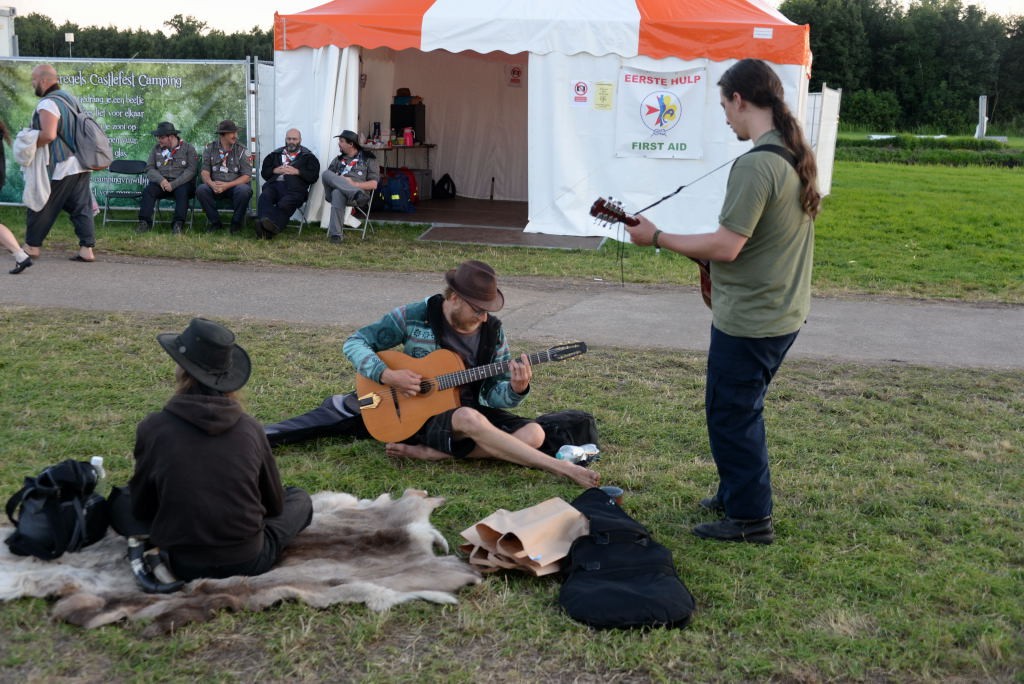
pixel 392 417
pixel 611 212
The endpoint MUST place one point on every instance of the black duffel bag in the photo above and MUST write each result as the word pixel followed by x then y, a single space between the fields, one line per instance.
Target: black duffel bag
pixel 618 576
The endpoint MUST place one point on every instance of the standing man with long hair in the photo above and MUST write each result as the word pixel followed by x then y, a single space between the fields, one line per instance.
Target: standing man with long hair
pixel 760 260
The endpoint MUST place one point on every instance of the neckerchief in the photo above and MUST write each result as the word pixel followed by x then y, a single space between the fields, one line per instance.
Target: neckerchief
pixel 168 155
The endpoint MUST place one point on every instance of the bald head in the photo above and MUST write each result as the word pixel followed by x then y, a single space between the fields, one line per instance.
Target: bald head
pixel 292 139
pixel 44 77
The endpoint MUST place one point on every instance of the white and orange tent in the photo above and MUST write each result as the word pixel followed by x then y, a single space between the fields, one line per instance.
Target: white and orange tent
pixel 497 80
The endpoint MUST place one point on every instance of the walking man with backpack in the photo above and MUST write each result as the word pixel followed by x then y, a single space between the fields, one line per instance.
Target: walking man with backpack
pixel 54 118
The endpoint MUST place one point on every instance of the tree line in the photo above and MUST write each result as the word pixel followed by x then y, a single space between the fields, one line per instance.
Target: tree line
pixel 916 68
pixel 187 38
pixel 920 68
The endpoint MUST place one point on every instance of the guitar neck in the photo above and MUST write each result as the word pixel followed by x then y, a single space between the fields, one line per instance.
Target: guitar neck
pixel 463 377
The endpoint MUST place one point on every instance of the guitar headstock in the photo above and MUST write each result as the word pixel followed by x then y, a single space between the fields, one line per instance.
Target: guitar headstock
pixel 567 351
pixel 610 211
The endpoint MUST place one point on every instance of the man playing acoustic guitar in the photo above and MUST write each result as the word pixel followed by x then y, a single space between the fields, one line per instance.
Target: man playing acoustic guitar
pixel 459 320
pixel 761 257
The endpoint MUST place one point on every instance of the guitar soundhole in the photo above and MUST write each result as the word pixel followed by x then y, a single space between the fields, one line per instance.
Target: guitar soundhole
pixel 426 386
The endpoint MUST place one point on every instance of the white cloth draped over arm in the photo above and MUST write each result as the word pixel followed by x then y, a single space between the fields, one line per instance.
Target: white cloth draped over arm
pixel 33 167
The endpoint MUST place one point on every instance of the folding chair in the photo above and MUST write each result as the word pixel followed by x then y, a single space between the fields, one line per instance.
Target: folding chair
pixel 300 216
pixel 363 214
pixel 125 167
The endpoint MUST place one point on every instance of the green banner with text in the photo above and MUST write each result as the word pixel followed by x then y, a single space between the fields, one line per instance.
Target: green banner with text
pixel 129 99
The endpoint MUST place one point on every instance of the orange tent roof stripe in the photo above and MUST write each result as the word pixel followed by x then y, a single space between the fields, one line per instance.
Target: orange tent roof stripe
pixel 687 29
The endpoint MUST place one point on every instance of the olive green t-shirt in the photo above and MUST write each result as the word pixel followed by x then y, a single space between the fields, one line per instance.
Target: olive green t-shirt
pixel 766 291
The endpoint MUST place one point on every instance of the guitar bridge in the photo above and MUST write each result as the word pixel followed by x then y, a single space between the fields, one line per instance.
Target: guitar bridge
pixel 369 401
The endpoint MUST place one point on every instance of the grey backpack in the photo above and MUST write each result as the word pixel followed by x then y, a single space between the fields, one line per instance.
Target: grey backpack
pixel 89 142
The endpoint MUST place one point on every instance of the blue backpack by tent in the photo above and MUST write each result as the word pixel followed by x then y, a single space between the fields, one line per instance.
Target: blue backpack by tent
pixel 396 193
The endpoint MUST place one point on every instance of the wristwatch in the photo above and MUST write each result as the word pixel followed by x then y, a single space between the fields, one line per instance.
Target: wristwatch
pixel 654 238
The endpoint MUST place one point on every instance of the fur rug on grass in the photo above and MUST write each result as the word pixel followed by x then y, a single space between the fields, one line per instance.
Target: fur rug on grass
pixel 379 552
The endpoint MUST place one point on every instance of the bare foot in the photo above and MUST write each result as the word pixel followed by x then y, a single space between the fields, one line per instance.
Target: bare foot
pixel 414 451
pixel 86 254
pixel 584 477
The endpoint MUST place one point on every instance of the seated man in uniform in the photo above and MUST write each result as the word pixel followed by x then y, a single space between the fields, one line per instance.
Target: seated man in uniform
pixel 288 172
pixel 171 170
pixel 349 181
pixel 226 172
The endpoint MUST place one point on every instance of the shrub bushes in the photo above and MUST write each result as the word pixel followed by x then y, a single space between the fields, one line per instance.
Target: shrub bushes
pixel 910 149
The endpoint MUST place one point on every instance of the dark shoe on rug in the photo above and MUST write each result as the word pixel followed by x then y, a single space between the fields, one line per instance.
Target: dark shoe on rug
pixel 335 239
pixel 713 504
pixel 731 529
pixel 20 266
pixel 142 227
pixel 177 227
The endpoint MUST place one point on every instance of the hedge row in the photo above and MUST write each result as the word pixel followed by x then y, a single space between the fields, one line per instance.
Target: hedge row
pixel 909 149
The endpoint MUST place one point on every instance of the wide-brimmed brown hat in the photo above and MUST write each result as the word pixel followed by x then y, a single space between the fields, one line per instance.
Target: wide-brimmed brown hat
pixel 351 137
pixel 477 283
pixel 227 126
pixel 165 128
pixel 207 350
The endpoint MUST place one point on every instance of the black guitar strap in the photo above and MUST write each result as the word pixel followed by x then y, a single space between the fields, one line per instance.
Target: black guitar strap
pixel 777 149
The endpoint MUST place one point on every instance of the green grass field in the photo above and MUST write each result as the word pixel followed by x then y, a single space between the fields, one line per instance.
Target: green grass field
pixel 900 551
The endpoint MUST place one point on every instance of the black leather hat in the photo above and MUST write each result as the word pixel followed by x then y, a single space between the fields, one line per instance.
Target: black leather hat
pixel 207 350
pixel 166 128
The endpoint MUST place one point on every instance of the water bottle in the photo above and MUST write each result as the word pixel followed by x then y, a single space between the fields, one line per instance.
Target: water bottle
pixel 586 453
pixel 101 475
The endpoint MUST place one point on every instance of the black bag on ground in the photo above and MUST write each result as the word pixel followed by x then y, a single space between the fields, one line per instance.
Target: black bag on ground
pixel 617 576
pixel 57 511
pixel 443 188
pixel 567 427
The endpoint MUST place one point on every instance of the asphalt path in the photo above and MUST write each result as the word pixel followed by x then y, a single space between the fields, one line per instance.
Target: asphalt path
pixel 538 310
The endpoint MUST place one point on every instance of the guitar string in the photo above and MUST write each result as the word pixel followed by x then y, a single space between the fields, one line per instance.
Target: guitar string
pixel 622 228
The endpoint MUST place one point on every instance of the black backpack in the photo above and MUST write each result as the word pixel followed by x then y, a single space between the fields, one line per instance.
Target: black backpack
pixel 57 511
pixel 567 427
pixel 443 188
pixel 617 576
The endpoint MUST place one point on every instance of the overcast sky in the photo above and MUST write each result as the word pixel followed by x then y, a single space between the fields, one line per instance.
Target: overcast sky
pixel 232 17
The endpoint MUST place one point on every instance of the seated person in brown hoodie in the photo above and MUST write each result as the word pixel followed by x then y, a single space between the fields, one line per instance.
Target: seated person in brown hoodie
pixel 206 487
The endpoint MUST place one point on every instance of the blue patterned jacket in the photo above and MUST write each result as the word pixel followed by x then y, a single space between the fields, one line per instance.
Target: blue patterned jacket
pixel 417 327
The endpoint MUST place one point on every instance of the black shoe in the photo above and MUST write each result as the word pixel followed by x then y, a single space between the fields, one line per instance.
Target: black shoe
pixel 731 529
pixel 235 228
pixel 335 239
pixel 142 227
pixel 177 227
pixel 269 227
pixel 713 504
pixel 214 227
pixel 20 266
